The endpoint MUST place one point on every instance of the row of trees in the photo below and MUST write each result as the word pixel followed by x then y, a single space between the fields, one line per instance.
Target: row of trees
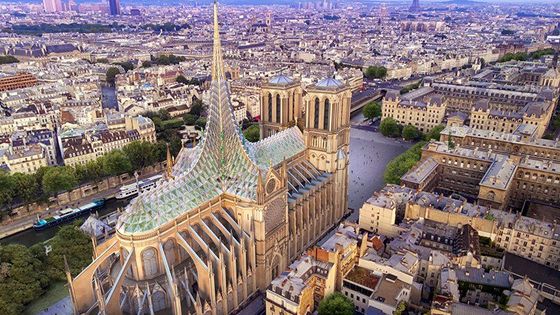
pixel 375 72
pixel 397 167
pixel 164 60
pixel 48 181
pixel 522 56
pixel 8 59
pixel 389 127
pixel 40 29
pixel 194 81
pixel 26 273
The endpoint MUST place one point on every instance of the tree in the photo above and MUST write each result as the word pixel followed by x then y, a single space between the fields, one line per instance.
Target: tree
pixel 336 304
pixel 112 74
pixel 27 189
pixel 375 72
pixel 22 278
pixel 197 108
pixel 390 128
pixel 116 163
pixel 401 308
pixel 398 166
pixel 181 79
pixel 410 132
pixel 146 64
pixel 7 189
pixel 372 110
pixel 140 154
pixel 127 65
pixel 434 133
pixel 8 59
pixel 71 242
pixel 253 133
pixel 57 179
pixel 201 122
pixel 190 119
pixel 164 114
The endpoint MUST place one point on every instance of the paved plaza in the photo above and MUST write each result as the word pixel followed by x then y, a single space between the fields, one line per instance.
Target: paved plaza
pixel 369 154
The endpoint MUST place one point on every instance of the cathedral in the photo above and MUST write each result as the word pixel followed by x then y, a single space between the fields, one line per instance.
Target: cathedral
pixel 230 215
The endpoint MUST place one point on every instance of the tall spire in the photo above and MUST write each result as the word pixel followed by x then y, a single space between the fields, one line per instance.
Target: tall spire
pixel 217 60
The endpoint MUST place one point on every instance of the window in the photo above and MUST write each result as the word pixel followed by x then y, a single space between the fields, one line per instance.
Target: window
pixel 269 107
pixel 316 122
pixel 326 122
pixel 278 108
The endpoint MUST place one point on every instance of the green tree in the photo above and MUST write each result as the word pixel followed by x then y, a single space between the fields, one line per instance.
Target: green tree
pixel 190 119
pixel 22 278
pixel 71 242
pixel 390 128
pixel 375 72
pixel 336 304
pixel 102 60
pixel 181 79
pixel 201 122
pixel 401 164
pixel 253 133
pixel 146 64
pixel 8 59
pixel 112 74
pixel 164 114
pixel 372 110
pixel 7 189
pixel 410 132
pixel 401 308
pixel 58 179
pixel 116 163
pixel 434 133
pixel 127 65
pixel 140 154
pixel 197 108
pixel 27 189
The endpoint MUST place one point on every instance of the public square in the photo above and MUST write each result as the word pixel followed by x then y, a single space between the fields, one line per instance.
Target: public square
pixel 369 154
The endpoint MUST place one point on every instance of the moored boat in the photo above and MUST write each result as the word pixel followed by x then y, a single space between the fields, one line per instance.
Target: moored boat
pixel 67 215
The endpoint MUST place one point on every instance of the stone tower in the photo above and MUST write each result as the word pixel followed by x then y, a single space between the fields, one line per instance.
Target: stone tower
pixel 282 99
pixel 327 133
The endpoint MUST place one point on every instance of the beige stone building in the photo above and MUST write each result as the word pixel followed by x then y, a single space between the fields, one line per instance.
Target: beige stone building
pixel 421 108
pixel 27 159
pixel 228 218
pixel 487 106
pixel 497 180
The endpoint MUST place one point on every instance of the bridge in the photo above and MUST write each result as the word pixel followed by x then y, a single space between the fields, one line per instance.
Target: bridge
pixel 360 99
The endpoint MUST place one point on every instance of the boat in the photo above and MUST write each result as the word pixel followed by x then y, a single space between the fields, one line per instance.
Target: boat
pixel 67 215
pixel 144 185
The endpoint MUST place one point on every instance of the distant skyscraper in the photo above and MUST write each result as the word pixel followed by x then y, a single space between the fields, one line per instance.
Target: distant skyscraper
pixel 52 5
pixel 415 5
pixel 114 7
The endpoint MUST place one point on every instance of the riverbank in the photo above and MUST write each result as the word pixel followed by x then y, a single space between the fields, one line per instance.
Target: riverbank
pixel 22 223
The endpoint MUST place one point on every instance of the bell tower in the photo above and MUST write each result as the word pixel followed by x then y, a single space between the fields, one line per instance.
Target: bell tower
pixel 327 134
pixel 281 105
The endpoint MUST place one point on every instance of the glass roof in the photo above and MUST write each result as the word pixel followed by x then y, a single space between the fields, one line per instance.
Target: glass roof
pixel 223 162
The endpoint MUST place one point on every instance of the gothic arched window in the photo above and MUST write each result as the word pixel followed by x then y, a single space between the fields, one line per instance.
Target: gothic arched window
pixel 326 119
pixel 149 260
pixel 278 110
pixel 316 122
pixel 269 107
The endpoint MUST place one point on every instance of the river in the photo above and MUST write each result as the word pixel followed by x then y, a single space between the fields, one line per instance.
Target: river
pixel 31 237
